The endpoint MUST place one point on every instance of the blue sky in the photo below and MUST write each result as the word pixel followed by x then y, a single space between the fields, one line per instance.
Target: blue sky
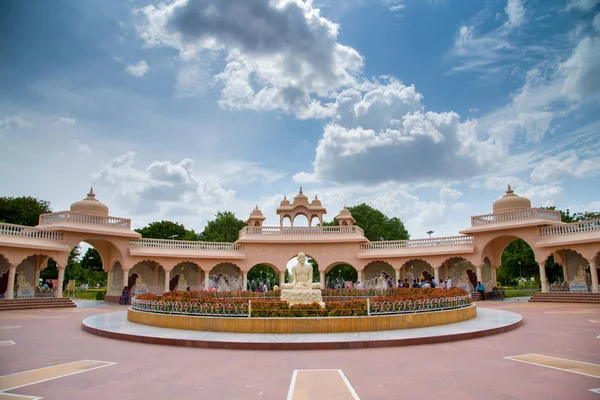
pixel 425 109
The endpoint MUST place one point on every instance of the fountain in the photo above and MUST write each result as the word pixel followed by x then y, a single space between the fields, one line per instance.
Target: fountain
pixel 302 290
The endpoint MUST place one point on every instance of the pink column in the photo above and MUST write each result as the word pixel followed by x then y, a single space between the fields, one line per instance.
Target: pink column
pixel 166 290
pixel 61 279
pixel 10 288
pixel 594 274
pixel 542 266
pixel 436 275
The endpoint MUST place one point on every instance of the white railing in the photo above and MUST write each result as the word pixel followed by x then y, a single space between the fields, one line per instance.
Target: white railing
pixel 300 230
pixel 414 306
pixel 238 309
pixel 28 231
pixel 68 216
pixel 184 244
pixel 575 227
pixel 515 216
pixel 429 242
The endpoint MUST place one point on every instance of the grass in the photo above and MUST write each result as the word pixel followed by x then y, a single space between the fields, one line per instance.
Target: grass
pixel 89 294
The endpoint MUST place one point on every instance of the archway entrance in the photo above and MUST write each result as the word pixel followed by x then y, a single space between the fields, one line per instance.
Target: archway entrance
pixel 379 275
pixel 294 260
pixel 261 277
pixel 225 277
pixel 341 276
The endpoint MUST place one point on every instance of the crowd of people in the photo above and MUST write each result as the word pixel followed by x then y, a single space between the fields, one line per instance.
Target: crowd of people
pixel 425 283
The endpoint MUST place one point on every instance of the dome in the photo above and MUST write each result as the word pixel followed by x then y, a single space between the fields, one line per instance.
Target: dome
pixel 511 202
pixel 284 202
pixel 345 215
pixel 90 205
pixel 256 213
pixel 316 202
pixel 301 198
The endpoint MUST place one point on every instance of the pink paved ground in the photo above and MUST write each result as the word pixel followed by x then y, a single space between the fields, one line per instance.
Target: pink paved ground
pixel 474 369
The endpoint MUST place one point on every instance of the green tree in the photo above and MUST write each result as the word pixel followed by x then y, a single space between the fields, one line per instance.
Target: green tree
pixel 375 224
pixel 167 230
pixel 224 228
pixel 510 270
pixel 343 273
pixel 91 260
pixel 22 210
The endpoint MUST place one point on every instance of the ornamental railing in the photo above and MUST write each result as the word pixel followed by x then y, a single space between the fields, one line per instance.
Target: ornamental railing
pixel 68 216
pixel 413 306
pixel 300 230
pixel 429 242
pixel 184 244
pixel 239 309
pixel 28 231
pixel 575 227
pixel 518 215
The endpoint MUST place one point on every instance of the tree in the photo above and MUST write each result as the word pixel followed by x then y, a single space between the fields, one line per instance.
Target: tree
pixel 565 216
pixel 260 274
pixel 224 228
pixel 375 224
pixel 167 230
pixel 343 273
pixel 22 210
pixel 518 251
pixel 91 260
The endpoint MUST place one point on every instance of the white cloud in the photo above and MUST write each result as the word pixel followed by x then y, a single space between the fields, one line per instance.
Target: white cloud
pixel 13 122
pixel 582 70
pixel 143 191
pixel 64 121
pixel 279 54
pixel 397 7
pixel 81 149
pixel 515 12
pixel 583 5
pixel 140 69
pixel 564 165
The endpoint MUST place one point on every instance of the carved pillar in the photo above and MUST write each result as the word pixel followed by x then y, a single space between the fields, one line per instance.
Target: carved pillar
pixel 281 279
pixel 167 282
pixel 542 266
pixel 125 277
pixel 198 276
pixel 446 269
pixel 10 288
pixel 36 278
pixel 436 276
pixel 245 281
pixel 565 272
pixel 397 270
pixel 206 278
pixel 494 280
pixel 594 274
pixel 322 279
pixel 479 274
pixel 109 280
pixel 61 280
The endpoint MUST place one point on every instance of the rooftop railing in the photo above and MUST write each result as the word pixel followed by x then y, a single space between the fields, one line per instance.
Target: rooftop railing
pixel 575 227
pixel 183 244
pixel 28 231
pixel 429 242
pixel 300 230
pixel 67 216
pixel 518 215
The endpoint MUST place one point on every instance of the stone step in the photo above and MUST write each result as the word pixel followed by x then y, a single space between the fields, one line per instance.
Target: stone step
pixel 26 304
pixel 39 306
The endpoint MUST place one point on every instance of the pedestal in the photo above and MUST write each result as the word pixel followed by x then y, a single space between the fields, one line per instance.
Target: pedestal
pixel 578 286
pixel 302 296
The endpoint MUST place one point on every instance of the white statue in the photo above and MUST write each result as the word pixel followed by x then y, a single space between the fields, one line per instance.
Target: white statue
pixel 302 290
pixel 579 282
pixel 139 281
pixel 301 276
pixel 222 286
pixel 182 283
pixel 581 275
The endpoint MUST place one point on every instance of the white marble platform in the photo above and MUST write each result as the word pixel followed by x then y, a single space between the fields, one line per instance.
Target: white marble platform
pixel 487 322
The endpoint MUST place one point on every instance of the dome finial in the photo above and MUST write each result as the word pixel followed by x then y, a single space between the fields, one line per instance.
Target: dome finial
pixel 300 189
pixel 316 198
pixel 91 194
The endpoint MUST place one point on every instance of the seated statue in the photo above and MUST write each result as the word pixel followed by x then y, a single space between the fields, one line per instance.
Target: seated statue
pixel 302 274
pixel 302 290
pixel 581 275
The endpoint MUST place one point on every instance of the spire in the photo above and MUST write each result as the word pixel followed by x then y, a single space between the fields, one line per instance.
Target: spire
pixel 91 193
pixel 316 198
pixel 509 190
pixel 300 189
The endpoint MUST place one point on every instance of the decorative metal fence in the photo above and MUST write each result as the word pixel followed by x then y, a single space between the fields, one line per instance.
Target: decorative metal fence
pixel 238 309
pixel 414 306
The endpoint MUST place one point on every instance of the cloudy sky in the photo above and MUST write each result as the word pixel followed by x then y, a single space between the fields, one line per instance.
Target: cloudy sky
pixel 425 109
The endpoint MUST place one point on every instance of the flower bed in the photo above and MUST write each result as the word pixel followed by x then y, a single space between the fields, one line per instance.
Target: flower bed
pixel 349 303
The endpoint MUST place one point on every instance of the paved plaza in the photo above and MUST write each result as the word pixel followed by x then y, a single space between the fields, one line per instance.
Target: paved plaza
pixel 554 354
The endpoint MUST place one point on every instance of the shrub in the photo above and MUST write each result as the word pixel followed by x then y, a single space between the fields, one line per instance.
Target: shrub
pixel 100 295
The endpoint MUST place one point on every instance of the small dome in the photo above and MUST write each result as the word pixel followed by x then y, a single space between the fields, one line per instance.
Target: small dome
pixel 284 202
pixel 90 205
pixel 256 213
pixel 345 213
pixel 301 198
pixel 511 202
pixel 316 202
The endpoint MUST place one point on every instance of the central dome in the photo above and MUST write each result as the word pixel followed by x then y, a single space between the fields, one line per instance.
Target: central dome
pixel 301 198
pixel 511 202
pixel 90 205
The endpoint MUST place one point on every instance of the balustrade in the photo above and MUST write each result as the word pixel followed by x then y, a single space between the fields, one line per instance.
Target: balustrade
pixel 515 216
pixel 28 231
pixel 429 242
pixel 575 227
pixel 67 216
pixel 300 230
pixel 184 244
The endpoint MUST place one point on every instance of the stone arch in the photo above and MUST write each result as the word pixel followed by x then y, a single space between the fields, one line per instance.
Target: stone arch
pixel 151 271
pixel 256 279
pixel 340 273
pixel 493 247
pixel 225 276
pixel 191 271
pixel 286 220
pixel 301 214
pixel 462 272
pixel 375 268
pixel 571 261
pixel 418 268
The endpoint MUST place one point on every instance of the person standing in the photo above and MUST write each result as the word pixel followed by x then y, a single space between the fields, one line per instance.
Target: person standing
pixel 406 285
pixel 448 283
